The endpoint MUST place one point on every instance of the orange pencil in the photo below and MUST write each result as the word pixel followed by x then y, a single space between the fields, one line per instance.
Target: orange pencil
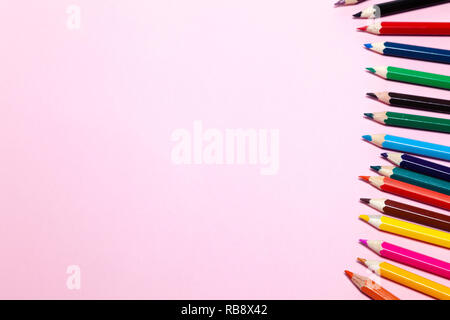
pixel 370 288
pixel 409 191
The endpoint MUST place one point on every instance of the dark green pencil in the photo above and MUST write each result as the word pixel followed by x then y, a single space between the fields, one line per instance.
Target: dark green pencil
pixel 411 121
pixel 414 178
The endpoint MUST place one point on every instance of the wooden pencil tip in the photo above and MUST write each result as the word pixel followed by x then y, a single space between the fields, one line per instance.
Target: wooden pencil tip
pixel 349 274
pixel 365 178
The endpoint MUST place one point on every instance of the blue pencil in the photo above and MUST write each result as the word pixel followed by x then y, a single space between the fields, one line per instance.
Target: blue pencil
pixel 419 165
pixel 426 149
pixel 410 51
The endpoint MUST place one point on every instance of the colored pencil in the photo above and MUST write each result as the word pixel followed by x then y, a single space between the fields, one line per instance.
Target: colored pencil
pixel 410 213
pixel 408 28
pixel 414 178
pixel 412 76
pixel 409 51
pixel 413 121
pixel 412 102
pixel 408 279
pixel 348 2
pixel 410 191
pixel 397 6
pixel 419 165
pixel 370 288
pixel 408 257
pixel 408 229
pixel 427 149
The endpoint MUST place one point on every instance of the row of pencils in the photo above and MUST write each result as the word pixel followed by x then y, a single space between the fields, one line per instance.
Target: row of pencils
pixel 409 176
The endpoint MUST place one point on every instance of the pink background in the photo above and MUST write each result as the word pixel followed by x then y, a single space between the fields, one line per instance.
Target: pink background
pixel 85 170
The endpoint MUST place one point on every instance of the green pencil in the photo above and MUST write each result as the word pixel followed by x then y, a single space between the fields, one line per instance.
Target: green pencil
pixel 410 121
pixel 414 178
pixel 412 76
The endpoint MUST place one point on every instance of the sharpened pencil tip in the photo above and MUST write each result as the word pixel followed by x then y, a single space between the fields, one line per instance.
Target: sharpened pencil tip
pixel 368 45
pixel 367 137
pixel 364 200
pixel 364 217
pixel 369 115
pixel 376 168
pixel 384 155
pixel 361 260
pixel 363 241
pixel 357 15
pixel 365 178
pixel 362 28
pixel 372 95
pixel 340 3
pixel 349 274
pixel 371 70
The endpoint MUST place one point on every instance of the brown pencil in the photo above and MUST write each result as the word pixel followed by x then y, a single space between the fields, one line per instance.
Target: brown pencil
pixel 410 213
pixel 369 287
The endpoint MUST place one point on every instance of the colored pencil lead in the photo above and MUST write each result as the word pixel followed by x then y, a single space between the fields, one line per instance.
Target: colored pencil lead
pixel 363 241
pixel 361 260
pixel 349 274
pixel 365 200
pixel 372 70
pixel 369 115
pixel 362 28
pixel 340 3
pixel 357 15
pixel 384 155
pixel 376 168
pixel 367 137
pixel 365 178
pixel 364 217
pixel 372 95
pixel 368 45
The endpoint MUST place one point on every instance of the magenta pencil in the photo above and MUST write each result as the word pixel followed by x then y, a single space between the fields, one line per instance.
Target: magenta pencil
pixel 408 257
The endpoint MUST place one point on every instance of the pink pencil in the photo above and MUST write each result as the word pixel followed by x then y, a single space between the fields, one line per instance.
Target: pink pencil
pixel 408 257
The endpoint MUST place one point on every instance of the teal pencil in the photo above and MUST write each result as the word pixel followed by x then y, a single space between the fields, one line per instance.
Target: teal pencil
pixel 414 178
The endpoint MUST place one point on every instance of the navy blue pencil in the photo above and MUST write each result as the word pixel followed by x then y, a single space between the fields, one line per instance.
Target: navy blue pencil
pixel 419 165
pixel 410 52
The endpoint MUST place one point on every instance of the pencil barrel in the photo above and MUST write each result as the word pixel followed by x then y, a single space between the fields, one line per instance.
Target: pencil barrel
pixel 418 77
pixel 417 122
pixel 421 180
pixel 416 52
pixel 419 103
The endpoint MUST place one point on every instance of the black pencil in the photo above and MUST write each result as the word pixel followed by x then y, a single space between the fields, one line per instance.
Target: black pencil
pixel 397 6
pixel 412 102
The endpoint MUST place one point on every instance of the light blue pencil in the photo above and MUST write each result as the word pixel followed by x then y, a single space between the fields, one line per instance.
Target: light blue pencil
pixel 426 149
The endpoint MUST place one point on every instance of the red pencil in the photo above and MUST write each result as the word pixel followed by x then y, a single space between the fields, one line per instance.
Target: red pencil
pixel 409 28
pixel 369 287
pixel 409 191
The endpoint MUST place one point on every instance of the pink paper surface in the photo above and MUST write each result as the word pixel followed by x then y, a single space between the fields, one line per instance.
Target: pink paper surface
pixel 86 175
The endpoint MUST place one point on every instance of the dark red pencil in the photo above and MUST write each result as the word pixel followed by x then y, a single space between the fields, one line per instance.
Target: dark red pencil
pixel 410 213
pixel 408 28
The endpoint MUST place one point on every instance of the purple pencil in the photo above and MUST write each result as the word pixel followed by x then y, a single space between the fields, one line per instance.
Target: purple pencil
pixel 419 165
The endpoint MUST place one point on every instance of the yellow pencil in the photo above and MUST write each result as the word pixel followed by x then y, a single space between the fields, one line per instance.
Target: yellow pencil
pixel 410 230
pixel 408 279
